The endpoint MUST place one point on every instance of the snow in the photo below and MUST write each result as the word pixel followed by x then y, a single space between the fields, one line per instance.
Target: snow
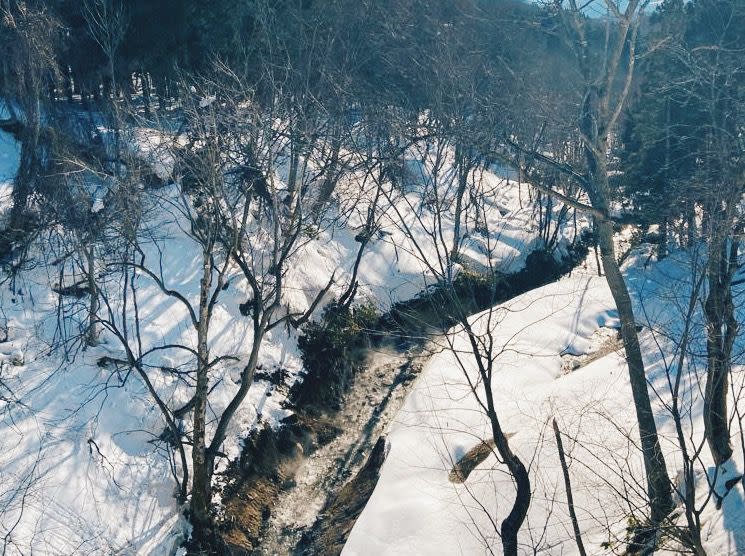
pixel 100 485
pixel 153 147
pixel 4 110
pixel 404 257
pixel 415 509
pixel 206 101
pixel 98 205
pixel 79 468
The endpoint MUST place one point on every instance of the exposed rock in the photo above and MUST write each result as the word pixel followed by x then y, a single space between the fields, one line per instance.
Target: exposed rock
pixel 603 341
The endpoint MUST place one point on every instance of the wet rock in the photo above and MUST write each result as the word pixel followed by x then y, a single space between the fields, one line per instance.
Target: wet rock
pixel 335 523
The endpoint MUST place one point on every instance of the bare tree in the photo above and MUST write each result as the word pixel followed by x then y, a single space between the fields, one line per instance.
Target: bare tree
pixel 248 226
pixel 107 22
pixel 28 35
pixel 484 354
pixel 605 83
pixel 568 488
pixel 427 224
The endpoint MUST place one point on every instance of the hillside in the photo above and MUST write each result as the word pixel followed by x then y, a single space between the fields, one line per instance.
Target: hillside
pixel 302 277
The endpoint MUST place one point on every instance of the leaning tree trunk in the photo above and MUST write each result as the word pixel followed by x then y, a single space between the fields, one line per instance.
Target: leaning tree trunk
pixel 721 329
pixel 510 526
pixel 658 481
pixel 463 168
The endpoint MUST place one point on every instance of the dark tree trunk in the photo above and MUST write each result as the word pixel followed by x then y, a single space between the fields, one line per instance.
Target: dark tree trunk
pixel 691 223
pixel 510 526
pixel 464 167
pixel 293 170
pixel 330 179
pixel 68 86
pixel 658 481
pixel 92 335
pixel 145 82
pixel 721 330
pixel 201 492
pixel 24 183
pixel 161 90
pixel 662 245
pixel 568 488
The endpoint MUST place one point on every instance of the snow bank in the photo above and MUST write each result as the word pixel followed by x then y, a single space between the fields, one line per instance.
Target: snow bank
pixel 415 509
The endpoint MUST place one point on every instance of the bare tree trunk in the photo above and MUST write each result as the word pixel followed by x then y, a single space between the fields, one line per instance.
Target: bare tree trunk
pixel 92 336
pixel 568 487
pixel 145 82
pixel 691 224
pixel 662 245
pixel 596 146
pixel 721 330
pixel 510 526
pixel 294 164
pixel 347 297
pixel 23 185
pixel 689 482
pixel 329 181
pixel 463 168
pixel 658 481
pixel 201 498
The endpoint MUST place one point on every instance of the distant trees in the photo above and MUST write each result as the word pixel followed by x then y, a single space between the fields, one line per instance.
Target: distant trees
pixel 657 153
pixel 107 24
pixel 29 36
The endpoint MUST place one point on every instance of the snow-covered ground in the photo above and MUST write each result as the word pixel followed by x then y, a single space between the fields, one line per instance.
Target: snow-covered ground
pixel 81 471
pixel 415 509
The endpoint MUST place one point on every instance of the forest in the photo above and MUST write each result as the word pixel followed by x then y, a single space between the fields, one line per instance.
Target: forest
pixel 372 277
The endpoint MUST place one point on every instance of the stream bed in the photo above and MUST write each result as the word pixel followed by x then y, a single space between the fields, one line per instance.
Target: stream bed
pixel 370 404
pixel 316 509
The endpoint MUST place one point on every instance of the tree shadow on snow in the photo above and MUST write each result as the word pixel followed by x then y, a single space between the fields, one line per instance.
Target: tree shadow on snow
pixel 733 515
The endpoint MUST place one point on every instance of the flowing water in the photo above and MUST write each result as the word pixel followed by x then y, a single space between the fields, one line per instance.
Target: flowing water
pixel 378 391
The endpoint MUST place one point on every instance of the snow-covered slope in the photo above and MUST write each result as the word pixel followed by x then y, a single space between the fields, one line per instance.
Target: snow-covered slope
pixel 81 467
pixel 416 509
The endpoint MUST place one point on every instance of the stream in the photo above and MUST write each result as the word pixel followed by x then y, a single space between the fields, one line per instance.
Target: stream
pixel 372 401
pixel 376 394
